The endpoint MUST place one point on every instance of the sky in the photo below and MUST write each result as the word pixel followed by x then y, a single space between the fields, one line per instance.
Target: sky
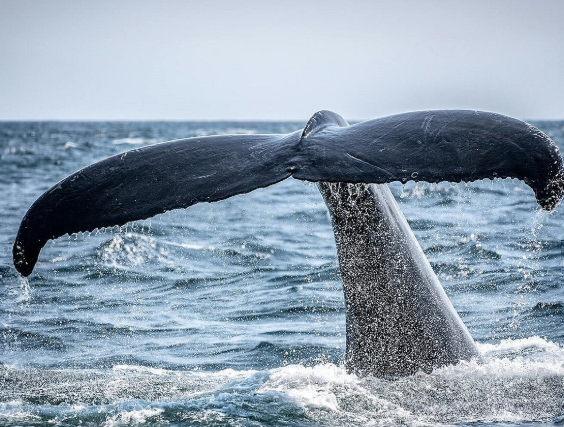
pixel 278 60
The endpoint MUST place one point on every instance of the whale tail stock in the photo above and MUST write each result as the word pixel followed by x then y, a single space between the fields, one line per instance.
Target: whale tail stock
pixel 428 146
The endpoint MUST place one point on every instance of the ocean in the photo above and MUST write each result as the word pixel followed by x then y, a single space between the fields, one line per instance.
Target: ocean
pixel 232 313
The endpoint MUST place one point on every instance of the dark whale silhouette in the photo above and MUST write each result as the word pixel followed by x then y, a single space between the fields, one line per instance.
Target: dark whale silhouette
pixel 399 319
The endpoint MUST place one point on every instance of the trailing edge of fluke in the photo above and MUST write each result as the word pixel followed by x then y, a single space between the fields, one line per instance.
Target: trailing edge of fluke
pixel 432 146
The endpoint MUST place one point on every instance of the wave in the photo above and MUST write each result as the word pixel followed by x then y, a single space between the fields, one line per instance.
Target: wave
pixel 519 381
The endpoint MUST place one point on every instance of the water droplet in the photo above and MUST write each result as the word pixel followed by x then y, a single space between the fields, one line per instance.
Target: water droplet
pixel 414 175
pixel 25 295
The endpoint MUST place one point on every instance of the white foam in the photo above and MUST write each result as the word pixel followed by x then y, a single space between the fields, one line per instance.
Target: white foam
pixel 13 411
pixel 134 417
pixel 525 384
pixel 311 387
pixel 70 144
pixel 519 380
pixel 134 141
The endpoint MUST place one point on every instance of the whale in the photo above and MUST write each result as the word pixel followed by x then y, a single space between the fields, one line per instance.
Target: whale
pixel 399 319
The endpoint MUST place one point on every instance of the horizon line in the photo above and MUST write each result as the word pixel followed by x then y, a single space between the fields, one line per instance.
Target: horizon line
pixel 214 120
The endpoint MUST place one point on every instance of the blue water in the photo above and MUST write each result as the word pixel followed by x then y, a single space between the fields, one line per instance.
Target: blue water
pixel 232 313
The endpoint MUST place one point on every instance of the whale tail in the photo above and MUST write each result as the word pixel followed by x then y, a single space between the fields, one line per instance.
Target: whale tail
pixel 428 146
pixel 432 146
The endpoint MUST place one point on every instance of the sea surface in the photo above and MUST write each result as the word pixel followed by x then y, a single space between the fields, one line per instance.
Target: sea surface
pixel 232 314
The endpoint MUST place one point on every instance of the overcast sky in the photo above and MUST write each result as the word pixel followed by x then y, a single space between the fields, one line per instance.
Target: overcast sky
pixel 278 60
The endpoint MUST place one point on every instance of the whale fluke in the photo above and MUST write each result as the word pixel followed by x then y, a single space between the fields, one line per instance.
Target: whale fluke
pixel 428 146
pixel 432 146
pixel 144 182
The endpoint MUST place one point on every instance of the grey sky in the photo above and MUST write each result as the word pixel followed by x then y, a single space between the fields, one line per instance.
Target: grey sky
pixel 189 60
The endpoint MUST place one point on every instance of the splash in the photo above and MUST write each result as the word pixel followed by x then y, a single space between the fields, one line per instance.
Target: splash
pixel 132 249
pixel 25 291
pixel 520 381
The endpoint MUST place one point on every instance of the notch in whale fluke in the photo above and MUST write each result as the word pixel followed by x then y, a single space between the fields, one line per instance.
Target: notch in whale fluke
pixel 433 146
